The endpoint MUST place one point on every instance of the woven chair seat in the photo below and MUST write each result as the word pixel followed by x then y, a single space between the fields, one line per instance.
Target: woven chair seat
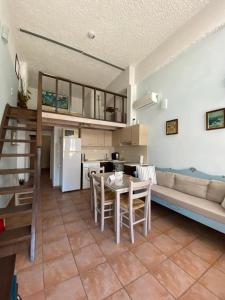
pixel 137 203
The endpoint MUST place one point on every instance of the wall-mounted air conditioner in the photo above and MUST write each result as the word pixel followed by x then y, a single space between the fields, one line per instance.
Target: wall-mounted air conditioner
pixel 146 100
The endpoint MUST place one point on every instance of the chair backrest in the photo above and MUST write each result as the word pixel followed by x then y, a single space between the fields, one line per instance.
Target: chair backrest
pixel 99 188
pixel 146 173
pixel 92 171
pixel 139 190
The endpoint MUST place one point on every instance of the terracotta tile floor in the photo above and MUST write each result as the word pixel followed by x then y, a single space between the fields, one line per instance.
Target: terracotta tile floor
pixel 179 259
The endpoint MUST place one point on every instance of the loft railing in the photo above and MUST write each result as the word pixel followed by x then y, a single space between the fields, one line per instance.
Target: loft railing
pixel 60 95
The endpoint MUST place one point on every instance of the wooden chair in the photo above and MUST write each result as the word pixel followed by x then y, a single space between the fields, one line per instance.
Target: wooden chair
pixel 136 204
pixel 91 172
pixel 103 200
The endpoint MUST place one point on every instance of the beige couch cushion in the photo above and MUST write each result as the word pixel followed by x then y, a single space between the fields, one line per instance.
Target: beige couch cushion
pixel 223 203
pixel 190 185
pixel 201 206
pixel 216 191
pixel 165 178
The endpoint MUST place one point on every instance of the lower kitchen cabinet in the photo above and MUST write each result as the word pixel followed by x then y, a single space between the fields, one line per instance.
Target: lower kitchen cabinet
pixel 129 170
pixel 107 165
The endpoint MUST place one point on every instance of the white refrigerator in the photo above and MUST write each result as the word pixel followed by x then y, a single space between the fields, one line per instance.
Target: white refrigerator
pixel 71 161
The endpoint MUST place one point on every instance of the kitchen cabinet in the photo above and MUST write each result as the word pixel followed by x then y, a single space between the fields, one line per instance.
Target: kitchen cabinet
pixel 136 135
pixel 116 137
pixel 129 170
pixel 108 138
pixel 126 135
pixel 107 165
pixel 139 135
pixel 96 137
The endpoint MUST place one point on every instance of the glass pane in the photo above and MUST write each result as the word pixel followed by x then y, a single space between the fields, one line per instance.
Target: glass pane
pixel 100 102
pixel 63 98
pixel 88 103
pixel 48 94
pixel 119 109
pixel 110 111
pixel 76 100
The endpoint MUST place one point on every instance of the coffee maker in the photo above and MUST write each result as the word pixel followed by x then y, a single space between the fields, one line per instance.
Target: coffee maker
pixel 115 156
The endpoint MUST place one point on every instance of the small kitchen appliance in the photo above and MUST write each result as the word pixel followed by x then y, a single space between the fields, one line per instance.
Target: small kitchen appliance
pixel 115 156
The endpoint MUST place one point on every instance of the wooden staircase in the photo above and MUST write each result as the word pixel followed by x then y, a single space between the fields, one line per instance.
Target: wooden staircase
pixel 20 220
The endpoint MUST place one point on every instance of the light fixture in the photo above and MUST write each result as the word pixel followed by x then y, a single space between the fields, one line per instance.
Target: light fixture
pixel 5 32
pixel 91 35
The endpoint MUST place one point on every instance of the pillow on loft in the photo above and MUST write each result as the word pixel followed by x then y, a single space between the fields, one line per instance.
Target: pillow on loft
pixel 223 203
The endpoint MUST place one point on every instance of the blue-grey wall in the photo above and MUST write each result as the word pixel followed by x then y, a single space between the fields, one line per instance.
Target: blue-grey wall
pixel 193 83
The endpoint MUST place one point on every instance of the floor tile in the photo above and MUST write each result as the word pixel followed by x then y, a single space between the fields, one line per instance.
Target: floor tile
pixel 23 259
pixel 75 227
pixel 166 245
pixel 110 248
pixel 81 239
pixel 59 269
pixel 198 292
pixel 36 296
pixel 120 295
pixel 154 232
pixel 181 235
pixel 147 287
pixel 88 257
pixel 54 233
pixel 30 281
pixel 97 234
pixel 214 280
pixel 162 224
pixel 190 263
pixel 220 263
pixel 173 278
pixel 71 289
pixel 127 267
pixel 51 213
pixel 55 249
pixel 100 282
pixel 70 217
pixel 149 255
pixel 52 221
pixel 206 250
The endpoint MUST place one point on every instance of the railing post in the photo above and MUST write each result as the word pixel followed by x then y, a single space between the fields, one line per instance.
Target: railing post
pixel 37 175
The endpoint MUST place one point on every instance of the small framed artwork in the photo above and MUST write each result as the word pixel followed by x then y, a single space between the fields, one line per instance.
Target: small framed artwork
pixel 215 119
pixel 172 127
pixel 17 67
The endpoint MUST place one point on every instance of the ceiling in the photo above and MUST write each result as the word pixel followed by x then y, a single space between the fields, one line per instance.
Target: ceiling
pixel 126 32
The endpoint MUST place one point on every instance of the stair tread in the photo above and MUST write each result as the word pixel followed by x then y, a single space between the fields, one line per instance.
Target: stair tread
pixel 20 128
pixel 16 154
pixel 15 189
pixel 15 235
pixel 11 211
pixel 16 171
pixel 17 141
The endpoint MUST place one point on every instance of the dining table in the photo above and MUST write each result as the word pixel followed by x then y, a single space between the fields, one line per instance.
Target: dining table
pixel 119 186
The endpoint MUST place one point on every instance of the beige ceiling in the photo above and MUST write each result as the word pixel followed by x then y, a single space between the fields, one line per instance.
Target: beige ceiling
pixel 126 32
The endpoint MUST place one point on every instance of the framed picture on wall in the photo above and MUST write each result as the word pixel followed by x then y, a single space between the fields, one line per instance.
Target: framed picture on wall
pixel 215 119
pixel 172 127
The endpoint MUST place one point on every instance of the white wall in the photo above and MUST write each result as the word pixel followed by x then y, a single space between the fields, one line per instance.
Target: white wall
pixel 193 83
pixel 206 21
pixel 8 94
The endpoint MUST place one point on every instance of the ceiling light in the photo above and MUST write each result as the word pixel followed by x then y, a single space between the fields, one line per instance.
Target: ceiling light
pixel 91 35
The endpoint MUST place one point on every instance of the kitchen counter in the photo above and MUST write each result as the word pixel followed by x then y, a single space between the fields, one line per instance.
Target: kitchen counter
pixel 135 164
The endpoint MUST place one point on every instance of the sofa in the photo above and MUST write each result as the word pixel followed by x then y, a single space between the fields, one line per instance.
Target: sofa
pixel 201 199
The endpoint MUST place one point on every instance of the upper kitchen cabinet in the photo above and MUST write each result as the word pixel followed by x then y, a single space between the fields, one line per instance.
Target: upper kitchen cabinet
pixel 139 135
pixel 136 135
pixel 126 135
pixel 108 138
pixel 116 137
pixel 96 137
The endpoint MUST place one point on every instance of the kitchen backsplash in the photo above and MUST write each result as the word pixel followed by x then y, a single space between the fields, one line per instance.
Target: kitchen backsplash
pixel 92 153
pixel 132 153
